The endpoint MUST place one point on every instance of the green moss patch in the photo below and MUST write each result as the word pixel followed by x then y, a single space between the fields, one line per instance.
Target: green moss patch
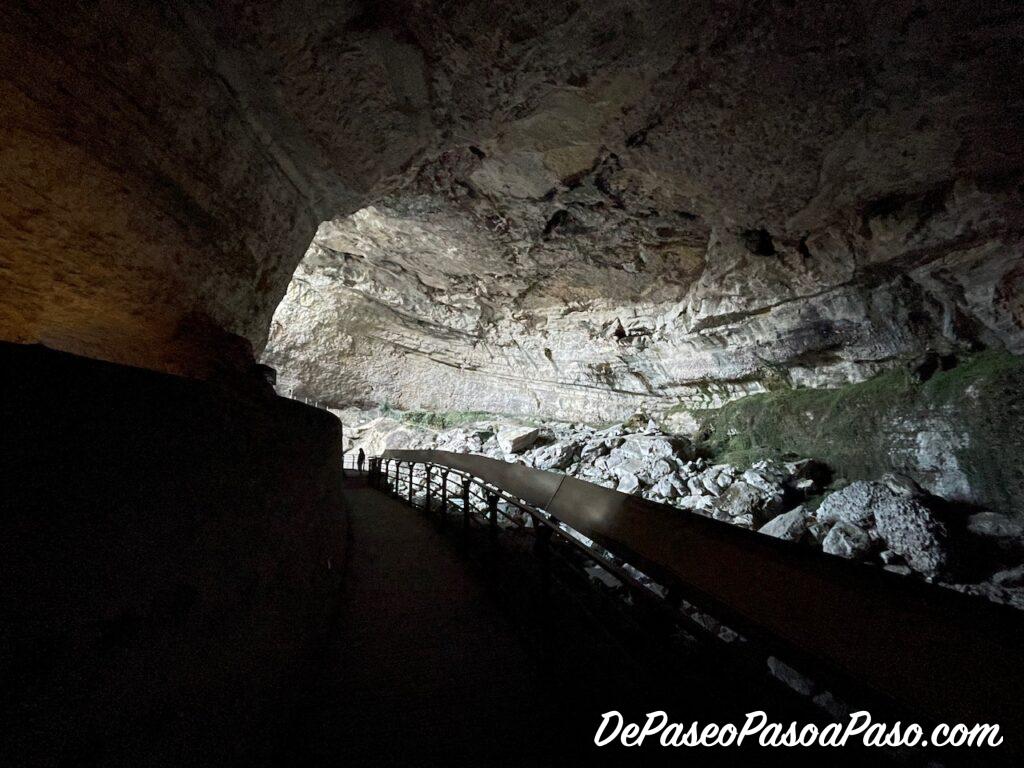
pixel 445 419
pixel 864 430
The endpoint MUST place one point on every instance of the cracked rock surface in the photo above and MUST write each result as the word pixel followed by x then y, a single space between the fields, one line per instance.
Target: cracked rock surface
pixel 549 207
pixel 660 206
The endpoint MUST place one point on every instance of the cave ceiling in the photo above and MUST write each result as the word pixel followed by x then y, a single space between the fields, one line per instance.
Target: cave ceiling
pixel 560 207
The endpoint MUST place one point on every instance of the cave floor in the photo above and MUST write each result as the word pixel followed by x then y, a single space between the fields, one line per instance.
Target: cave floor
pixel 436 660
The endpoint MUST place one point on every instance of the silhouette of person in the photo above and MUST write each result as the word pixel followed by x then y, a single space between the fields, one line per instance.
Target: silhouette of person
pixel 360 460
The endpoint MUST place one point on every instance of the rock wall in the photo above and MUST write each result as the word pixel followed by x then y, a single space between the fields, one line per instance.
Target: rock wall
pixel 165 166
pixel 170 553
pixel 957 432
pixel 688 193
pixel 674 205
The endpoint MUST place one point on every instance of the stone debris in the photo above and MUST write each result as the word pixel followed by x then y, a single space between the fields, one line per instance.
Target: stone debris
pixel 891 521
pixel 789 526
pixel 1013 577
pixel 517 439
pixel 846 540
pixel 896 511
pixel 994 525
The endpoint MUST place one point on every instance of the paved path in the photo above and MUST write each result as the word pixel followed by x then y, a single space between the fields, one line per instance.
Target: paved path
pixel 425 668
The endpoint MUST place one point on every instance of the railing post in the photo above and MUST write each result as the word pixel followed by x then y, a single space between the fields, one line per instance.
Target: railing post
pixel 428 494
pixel 411 464
pixel 465 509
pixel 542 548
pixel 444 497
pixel 492 514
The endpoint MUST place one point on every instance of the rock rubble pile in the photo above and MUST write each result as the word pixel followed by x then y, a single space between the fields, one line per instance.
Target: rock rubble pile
pixel 890 522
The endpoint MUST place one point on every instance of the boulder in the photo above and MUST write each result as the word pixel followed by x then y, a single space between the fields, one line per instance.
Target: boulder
pixel 853 504
pixel 740 498
pixel 517 439
pixel 899 512
pixel 660 469
pixel 1013 577
pixel 846 540
pixel 707 479
pixel 910 529
pixel 789 526
pixel 593 450
pixel 628 466
pixel 454 440
pixel 557 456
pixel 628 483
pixel 650 447
pixel 763 481
pixel 994 525
pixel 744 521
pixel 699 504
pixel 665 488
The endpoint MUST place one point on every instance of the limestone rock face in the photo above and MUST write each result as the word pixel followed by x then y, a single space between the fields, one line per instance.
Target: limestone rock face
pixel 556 207
pixel 165 168
pixel 654 209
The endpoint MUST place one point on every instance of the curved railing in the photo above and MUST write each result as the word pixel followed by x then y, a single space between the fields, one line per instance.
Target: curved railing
pixel 927 650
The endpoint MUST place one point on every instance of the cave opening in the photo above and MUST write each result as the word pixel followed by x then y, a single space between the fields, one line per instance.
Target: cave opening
pixel 693 334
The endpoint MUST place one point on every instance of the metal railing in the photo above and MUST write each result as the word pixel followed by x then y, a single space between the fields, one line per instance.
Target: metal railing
pixel 880 638
pixel 478 503
pixel 350 462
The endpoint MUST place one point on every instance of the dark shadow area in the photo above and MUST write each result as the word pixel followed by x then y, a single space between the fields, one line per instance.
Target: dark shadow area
pixel 181 587
pixel 168 551
pixel 454 652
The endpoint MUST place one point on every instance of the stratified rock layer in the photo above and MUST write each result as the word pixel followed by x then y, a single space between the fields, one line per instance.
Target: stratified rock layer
pixel 677 206
pixel 550 206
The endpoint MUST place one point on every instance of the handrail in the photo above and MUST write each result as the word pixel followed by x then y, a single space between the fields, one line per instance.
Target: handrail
pixel 501 493
pixel 929 651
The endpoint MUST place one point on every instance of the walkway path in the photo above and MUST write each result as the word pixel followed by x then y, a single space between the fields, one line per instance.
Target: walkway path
pixel 426 667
